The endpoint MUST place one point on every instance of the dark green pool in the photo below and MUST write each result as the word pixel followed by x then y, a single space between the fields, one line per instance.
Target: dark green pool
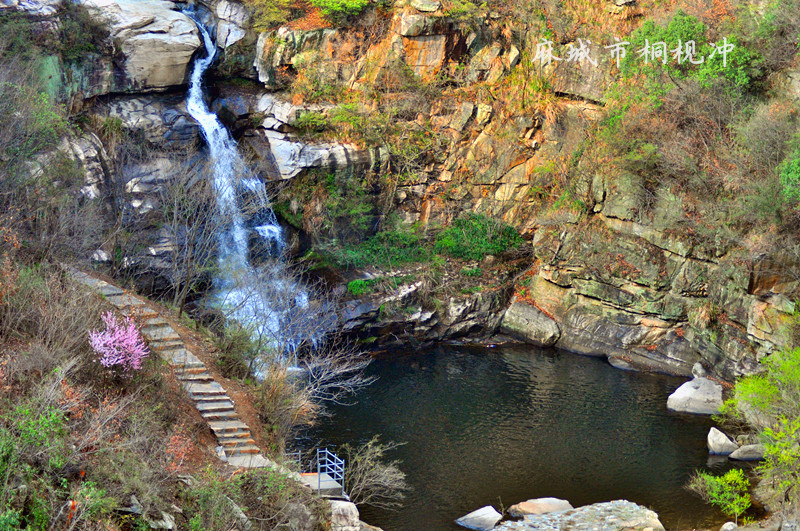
pixel 501 425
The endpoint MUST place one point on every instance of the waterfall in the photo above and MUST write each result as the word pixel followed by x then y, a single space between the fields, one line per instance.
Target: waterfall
pixel 265 298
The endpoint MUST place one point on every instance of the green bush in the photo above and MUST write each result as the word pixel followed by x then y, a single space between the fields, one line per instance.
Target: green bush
pixel 742 62
pixel 790 177
pixel 311 122
pixel 475 236
pixel 473 272
pixel 728 492
pixel 385 249
pixel 770 402
pixel 360 287
pixel 338 9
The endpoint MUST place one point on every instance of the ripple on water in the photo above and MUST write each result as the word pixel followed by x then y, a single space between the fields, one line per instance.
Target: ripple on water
pixel 485 426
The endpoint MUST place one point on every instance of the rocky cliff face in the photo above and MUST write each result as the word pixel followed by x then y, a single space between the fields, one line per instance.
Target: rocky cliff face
pixel 612 274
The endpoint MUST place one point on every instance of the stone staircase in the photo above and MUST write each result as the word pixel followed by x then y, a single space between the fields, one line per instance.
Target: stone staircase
pixel 208 396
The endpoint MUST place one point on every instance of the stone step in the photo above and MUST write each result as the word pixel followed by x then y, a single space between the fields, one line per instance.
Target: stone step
pixel 154 321
pixel 222 405
pixel 201 377
pixel 232 444
pixel 203 388
pixel 234 435
pixel 160 333
pixel 109 290
pixel 211 398
pixel 229 414
pixel 187 365
pixel 161 345
pixel 177 356
pixel 139 313
pixel 190 369
pixel 243 450
pixel 124 300
pixel 227 427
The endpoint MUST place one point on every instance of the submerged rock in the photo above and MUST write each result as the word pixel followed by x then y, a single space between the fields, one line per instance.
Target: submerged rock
pixel 700 396
pixel 483 519
pixel 618 514
pixel 720 444
pixel 539 506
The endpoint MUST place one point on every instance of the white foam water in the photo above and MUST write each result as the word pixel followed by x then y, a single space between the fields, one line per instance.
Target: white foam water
pixel 264 298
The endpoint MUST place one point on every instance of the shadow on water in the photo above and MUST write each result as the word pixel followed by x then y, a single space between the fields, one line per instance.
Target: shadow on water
pixel 502 425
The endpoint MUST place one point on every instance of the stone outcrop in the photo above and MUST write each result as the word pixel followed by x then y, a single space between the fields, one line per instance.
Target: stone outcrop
pixel 160 120
pixel 529 323
pixel 614 515
pixel 156 42
pixel 482 519
pixel 700 396
pixel 287 156
pixel 344 516
pixel 720 444
pixel 539 506
pixel 397 318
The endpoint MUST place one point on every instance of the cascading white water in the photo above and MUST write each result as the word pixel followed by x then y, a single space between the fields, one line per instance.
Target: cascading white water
pixel 266 298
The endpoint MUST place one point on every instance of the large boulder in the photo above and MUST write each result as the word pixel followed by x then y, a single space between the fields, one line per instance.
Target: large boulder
pixel 748 452
pixel 155 41
pixel 539 506
pixel 483 519
pixel 619 514
pixel 700 396
pixel 719 443
pixel 530 324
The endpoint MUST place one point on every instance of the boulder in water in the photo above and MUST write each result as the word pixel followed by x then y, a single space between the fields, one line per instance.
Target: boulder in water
pixel 719 443
pixel 700 396
pixel 483 519
pixel 539 506
pixel 618 514
pixel 749 452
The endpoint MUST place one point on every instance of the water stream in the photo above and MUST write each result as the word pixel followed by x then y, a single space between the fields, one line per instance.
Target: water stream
pixel 491 426
pixel 264 297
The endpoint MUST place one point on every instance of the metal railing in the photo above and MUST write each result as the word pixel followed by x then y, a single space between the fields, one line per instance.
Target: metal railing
pixel 329 463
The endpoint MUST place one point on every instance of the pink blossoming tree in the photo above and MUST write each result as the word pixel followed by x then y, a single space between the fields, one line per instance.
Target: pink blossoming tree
pixel 120 345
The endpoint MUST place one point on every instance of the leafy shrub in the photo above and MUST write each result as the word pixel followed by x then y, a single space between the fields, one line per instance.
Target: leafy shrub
pixel 741 63
pixel 385 249
pixel 770 403
pixel 359 287
pixel 476 236
pixel 237 352
pixel 120 345
pixel 790 177
pixel 268 14
pixel 473 272
pixel 338 9
pixel 728 492
pixel 79 34
pixel 311 122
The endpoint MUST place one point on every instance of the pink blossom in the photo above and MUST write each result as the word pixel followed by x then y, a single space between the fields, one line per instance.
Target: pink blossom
pixel 120 344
